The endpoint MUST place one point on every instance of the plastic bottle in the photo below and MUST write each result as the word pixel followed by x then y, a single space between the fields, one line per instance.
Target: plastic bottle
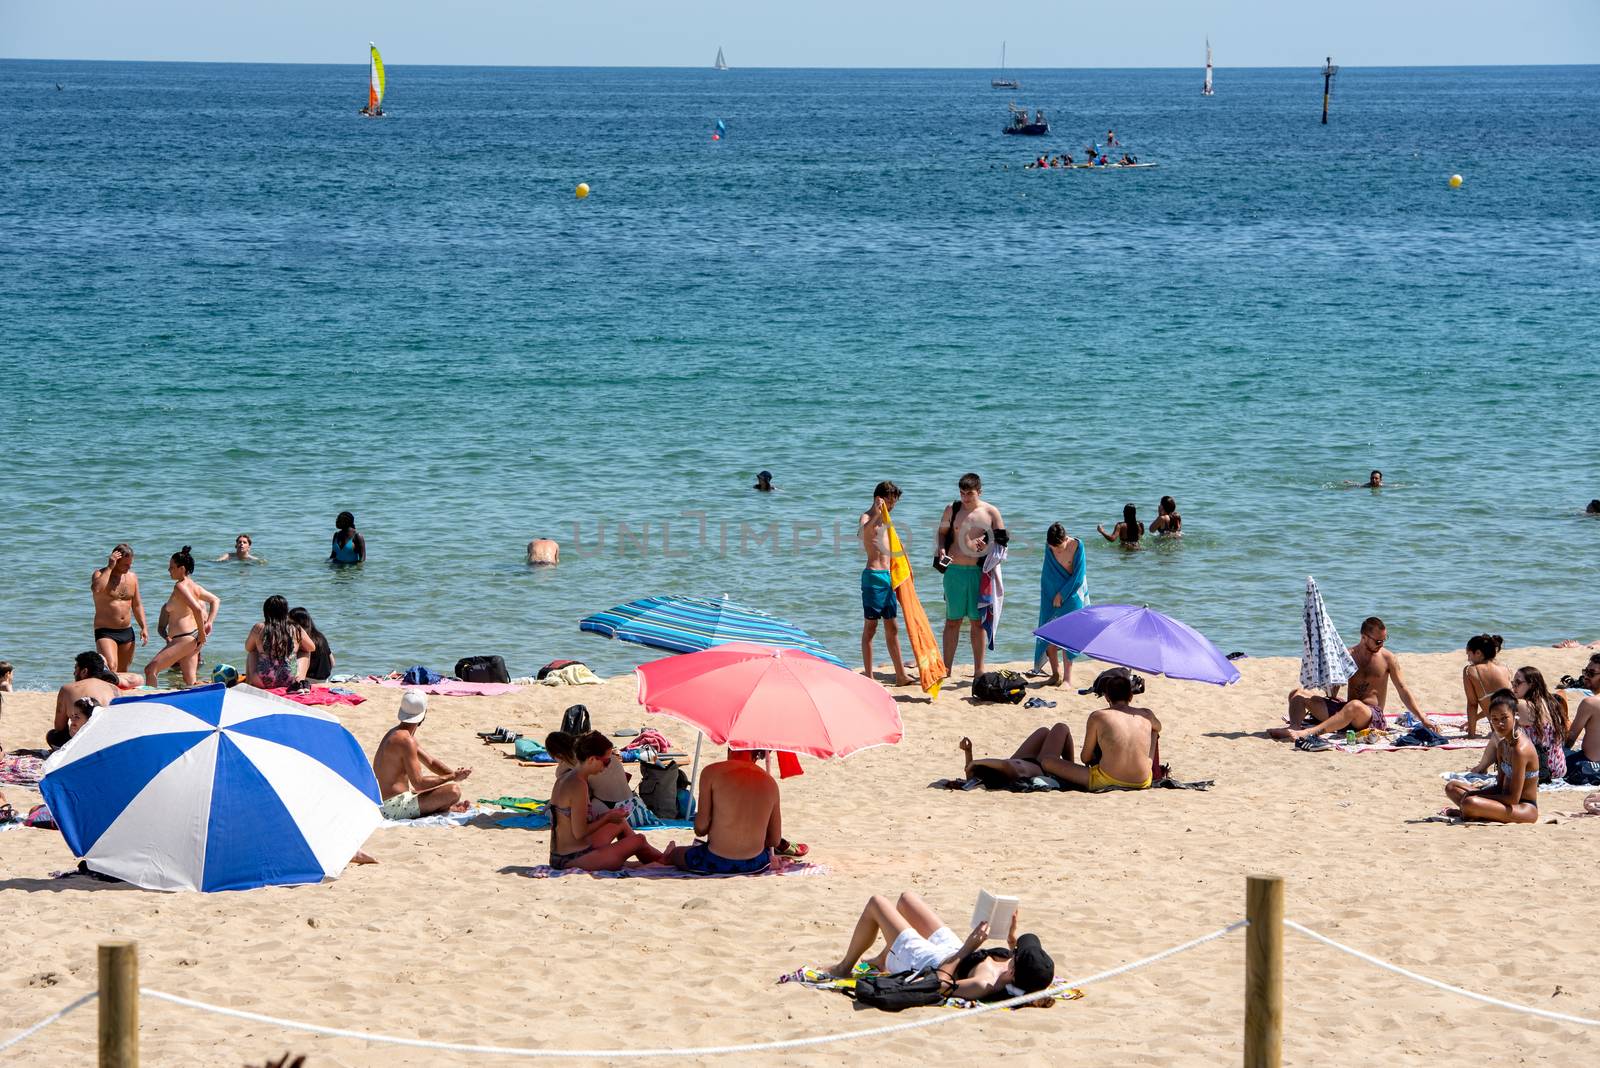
pixel 1349 737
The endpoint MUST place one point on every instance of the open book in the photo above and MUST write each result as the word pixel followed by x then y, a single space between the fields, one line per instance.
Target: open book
pixel 995 911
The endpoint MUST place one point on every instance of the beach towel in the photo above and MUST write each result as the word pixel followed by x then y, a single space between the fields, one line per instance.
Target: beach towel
pixel 16 770
pixel 321 695
pixel 779 866
pixel 818 979
pixel 649 737
pixel 931 669
pixel 438 819
pixel 991 591
pixel 571 675
pixel 1073 590
pixel 521 804
pixel 455 687
pixel 1478 782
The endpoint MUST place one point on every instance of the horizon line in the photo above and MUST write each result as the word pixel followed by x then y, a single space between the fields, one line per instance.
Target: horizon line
pixel 730 70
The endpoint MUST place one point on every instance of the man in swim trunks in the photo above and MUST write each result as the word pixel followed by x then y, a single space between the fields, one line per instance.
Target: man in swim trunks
pixel 965 532
pixel 407 792
pixel 1311 713
pixel 877 589
pixel 90 679
pixel 738 816
pixel 117 606
pixel 1119 741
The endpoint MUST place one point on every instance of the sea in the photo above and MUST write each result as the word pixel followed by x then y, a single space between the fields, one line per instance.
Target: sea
pixel 230 303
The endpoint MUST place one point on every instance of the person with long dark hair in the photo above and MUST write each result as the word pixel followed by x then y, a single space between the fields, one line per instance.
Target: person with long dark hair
pixel 191 611
pixel 1514 797
pixel 1128 532
pixel 274 647
pixel 319 665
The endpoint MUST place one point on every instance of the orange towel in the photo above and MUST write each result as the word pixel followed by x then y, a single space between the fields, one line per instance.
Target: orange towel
pixel 931 670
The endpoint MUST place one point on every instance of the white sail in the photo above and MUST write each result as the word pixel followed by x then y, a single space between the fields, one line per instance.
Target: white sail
pixel 721 64
pixel 1206 89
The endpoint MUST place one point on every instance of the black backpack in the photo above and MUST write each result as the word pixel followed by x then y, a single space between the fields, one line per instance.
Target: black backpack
pixel 575 721
pixel 482 669
pixel 1004 686
pixel 901 990
pixel 658 788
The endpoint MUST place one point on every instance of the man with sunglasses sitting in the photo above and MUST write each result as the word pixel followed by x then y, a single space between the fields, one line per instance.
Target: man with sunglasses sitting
pixel 1311 714
pixel 1583 736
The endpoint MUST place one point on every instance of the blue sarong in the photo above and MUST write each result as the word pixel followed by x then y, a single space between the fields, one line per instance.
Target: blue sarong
pixel 1074 591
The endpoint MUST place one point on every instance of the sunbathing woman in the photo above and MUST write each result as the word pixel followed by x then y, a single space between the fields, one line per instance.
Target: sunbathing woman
pixel 1514 798
pixel 1482 677
pixel 576 841
pixel 915 938
pixel 1025 763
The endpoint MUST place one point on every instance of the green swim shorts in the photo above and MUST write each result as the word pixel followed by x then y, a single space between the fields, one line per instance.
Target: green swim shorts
pixel 961 591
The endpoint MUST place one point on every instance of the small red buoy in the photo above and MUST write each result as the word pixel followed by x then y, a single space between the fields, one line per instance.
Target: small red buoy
pixel 716 137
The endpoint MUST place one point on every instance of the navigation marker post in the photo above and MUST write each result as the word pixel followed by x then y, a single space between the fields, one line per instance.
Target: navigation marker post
pixel 1327 87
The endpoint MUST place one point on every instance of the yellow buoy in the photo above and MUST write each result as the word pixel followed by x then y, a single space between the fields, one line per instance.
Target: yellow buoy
pixel 1455 181
pixel 583 190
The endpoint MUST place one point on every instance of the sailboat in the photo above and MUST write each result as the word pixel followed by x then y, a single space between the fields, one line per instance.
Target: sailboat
pixel 375 81
pixel 721 64
pixel 1004 83
pixel 1206 90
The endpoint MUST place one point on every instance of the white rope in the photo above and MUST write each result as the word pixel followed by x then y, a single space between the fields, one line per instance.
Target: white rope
pixel 697 1051
pixel 1485 998
pixel 48 1020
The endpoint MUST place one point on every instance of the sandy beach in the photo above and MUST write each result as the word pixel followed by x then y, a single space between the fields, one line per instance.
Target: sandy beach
pixel 444 940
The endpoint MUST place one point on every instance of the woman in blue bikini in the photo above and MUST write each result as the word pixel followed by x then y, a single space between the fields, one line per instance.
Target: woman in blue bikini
pixel 1514 798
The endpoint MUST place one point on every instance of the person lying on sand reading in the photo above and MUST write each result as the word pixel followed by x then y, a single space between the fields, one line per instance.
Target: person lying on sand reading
pixel 1119 746
pixel 90 679
pixel 408 793
pixel 1514 798
pixel 1369 689
pixel 915 938
pixel 737 815
pixel 576 841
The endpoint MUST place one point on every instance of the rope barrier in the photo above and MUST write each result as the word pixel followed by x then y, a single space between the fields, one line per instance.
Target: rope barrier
pixel 697 1051
pixel 1485 998
pixel 48 1020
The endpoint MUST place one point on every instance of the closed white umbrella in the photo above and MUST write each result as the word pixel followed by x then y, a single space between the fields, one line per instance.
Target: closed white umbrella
pixel 1324 660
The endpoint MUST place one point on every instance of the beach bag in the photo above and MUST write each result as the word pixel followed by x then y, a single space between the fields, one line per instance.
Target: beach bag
pixel 555 665
pixel 575 721
pixel 658 788
pixel 901 990
pixel 1004 686
pixel 421 676
pixel 482 669
pixel 529 749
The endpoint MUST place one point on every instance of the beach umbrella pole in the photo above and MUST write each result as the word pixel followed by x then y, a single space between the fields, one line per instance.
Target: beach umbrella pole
pixel 694 775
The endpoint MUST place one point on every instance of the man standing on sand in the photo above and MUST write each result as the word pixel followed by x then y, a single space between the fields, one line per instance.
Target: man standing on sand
pixel 408 793
pixel 877 588
pixel 117 606
pixel 737 816
pixel 1311 714
pixel 966 531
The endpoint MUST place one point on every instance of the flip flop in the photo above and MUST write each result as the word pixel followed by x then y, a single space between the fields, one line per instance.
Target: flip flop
pixel 787 848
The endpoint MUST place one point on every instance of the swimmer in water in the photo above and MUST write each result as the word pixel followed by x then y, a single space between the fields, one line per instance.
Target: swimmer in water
pixel 241 552
pixel 1594 507
pixel 763 482
pixel 1167 520
pixel 1129 531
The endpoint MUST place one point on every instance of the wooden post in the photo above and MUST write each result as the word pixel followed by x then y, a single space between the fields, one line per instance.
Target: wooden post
pixel 119 1005
pixel 1327 87
pixel 1263 972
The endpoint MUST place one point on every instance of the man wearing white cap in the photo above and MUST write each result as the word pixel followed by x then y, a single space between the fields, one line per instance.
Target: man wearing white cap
pixel 407 791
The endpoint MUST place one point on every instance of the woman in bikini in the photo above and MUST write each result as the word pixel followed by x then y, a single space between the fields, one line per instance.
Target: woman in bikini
pixel 576 841
pixel 1482 677
pixel 1126 533
pixel 274 647
pixel 1543 718
pixel 996 773
pixel 1514 798
pixel 191 611
pixel 1167 520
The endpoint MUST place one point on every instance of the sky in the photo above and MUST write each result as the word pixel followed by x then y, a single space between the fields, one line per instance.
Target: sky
pixel 811 33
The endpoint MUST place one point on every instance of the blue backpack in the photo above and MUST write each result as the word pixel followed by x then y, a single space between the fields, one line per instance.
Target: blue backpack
pixel 421 676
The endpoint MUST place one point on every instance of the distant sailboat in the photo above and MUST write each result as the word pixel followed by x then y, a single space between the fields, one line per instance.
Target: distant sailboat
pixel 721 64
pixel 1206 90
pixel 375 83
pixel 1004 83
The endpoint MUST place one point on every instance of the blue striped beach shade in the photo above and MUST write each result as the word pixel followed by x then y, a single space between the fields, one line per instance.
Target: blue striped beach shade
pixel 690 624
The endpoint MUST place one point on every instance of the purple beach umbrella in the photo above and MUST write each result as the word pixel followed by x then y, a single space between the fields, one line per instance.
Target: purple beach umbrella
pixel 1140 638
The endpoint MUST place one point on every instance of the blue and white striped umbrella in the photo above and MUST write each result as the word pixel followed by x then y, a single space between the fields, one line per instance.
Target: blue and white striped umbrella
pixel 1324 660
pixel 212 789
pixel 690 624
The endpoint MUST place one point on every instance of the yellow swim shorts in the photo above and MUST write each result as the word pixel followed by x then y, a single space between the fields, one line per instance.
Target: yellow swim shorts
pixel 1099 780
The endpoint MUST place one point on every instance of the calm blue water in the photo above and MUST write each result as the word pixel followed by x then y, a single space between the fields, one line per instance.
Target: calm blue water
pixel 230 304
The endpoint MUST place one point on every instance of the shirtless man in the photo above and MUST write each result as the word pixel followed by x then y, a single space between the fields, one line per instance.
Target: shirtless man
pixel 965 533
pixel 90 678
pixel 190 612
pixel 738 817
pixel 1583 736
pixel 1369 689
pixel 117 606
pixel 544 551
pixel 407 792
pixel 1119 742
pixel 877 589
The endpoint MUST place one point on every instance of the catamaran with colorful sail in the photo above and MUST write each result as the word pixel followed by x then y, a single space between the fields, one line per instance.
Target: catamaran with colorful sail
pixel 374 106
pixel 1206 90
